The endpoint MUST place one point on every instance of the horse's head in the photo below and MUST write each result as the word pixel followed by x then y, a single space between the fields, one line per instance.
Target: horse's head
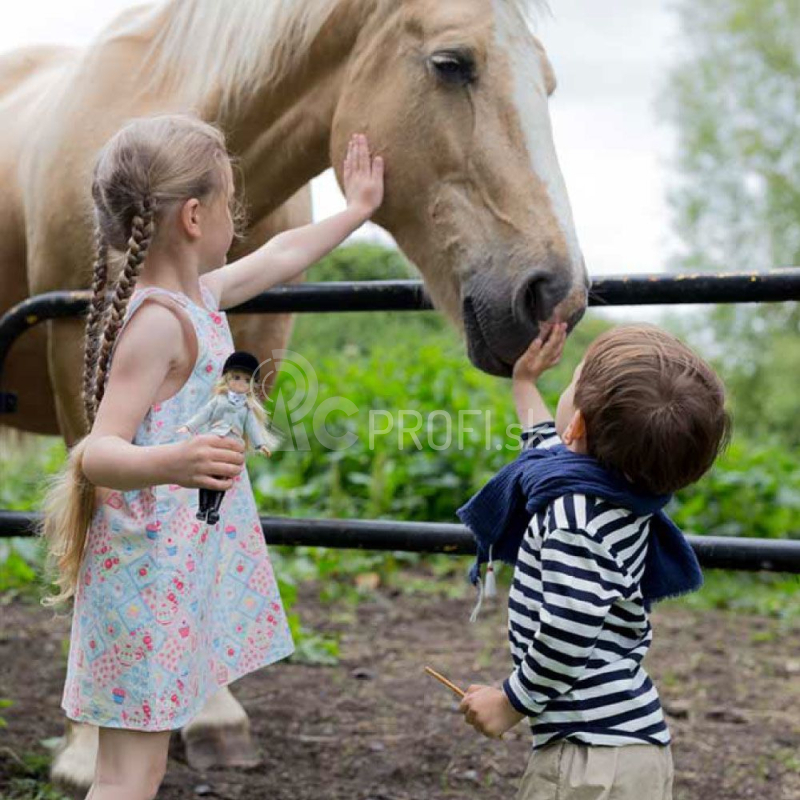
pixel 454 94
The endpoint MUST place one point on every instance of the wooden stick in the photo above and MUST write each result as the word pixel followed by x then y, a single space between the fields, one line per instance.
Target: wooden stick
pixel 451 686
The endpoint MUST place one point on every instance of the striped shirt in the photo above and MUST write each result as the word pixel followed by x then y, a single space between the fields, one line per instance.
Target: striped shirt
pixel 577 623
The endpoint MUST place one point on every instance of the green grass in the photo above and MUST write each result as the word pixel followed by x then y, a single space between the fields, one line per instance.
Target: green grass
pixel 416 362
pixel 771 594
pixel 28 777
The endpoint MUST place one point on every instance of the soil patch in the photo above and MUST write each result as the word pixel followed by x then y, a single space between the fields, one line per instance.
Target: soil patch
pixel 374 727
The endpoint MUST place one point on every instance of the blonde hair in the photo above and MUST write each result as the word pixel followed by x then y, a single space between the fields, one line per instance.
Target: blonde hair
pixel 149 168
pixel 254 404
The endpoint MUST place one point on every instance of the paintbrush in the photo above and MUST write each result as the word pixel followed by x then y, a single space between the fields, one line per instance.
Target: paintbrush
pixel 451 686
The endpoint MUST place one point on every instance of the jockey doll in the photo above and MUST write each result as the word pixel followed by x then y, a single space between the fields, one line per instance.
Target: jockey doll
pixel 232 411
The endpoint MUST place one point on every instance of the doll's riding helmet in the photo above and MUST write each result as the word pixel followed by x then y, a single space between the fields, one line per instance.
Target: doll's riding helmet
pixel 241 360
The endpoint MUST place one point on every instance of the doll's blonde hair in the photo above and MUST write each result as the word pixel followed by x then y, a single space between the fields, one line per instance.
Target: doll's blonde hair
pixel 148 169
pixel 253 403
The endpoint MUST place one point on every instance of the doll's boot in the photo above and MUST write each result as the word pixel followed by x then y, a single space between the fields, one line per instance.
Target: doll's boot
pixel 202 509
pixel 213 509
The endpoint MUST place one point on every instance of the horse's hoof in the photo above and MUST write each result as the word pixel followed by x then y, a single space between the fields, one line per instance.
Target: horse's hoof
pixel 220 747
pixel 72 768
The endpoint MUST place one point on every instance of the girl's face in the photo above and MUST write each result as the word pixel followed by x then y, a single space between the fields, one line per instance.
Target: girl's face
pixel 219 228
pixel 238 381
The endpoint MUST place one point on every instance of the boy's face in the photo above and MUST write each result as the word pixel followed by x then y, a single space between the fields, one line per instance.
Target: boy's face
pixel 569 422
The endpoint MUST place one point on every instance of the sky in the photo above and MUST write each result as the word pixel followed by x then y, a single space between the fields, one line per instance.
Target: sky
pixel 611 60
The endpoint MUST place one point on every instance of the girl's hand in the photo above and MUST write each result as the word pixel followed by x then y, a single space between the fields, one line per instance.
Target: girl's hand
pixel 544 352
pixel 363 176
pixel 208 461
pixel 265 450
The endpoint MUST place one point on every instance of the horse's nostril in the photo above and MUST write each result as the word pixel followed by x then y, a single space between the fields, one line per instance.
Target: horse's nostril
pixel 529 303
pixel 537 298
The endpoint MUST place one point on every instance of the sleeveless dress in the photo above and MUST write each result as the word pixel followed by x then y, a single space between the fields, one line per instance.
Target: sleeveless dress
pixel 168 609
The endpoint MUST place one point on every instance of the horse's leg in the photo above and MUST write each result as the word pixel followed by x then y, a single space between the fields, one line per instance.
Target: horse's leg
pixel 65 362
pixel 74 760
pixel 22 370
pixel 220 734
pixel 73 763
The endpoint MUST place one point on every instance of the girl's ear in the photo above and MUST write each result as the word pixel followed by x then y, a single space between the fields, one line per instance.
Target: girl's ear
pixel 190 218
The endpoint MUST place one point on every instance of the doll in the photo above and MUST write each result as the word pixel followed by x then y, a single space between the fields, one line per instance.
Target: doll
pixel 232 411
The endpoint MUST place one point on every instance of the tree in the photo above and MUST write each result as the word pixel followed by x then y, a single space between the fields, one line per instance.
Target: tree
pixel 734 97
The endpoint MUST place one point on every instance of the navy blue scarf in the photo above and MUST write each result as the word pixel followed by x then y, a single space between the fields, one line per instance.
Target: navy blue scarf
pixel 499 514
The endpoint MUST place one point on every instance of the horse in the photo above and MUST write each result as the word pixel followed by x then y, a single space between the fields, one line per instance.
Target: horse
pixel 452 93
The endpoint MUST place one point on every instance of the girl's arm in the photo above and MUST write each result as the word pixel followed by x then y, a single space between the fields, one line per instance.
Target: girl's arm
pixel 543 353
pixel 151 344
pixel 290 253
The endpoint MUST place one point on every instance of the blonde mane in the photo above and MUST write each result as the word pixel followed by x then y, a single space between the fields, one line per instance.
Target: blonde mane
pixel 234 46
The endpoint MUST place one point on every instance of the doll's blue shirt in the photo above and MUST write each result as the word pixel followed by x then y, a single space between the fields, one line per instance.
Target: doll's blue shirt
pixel 222 417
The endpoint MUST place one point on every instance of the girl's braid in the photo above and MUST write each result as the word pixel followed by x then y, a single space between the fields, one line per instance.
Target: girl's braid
pixel 94 321
pixel 142 228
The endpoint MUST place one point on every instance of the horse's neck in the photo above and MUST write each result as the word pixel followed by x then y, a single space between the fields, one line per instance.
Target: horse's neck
pixel 281 134
pixel 281 147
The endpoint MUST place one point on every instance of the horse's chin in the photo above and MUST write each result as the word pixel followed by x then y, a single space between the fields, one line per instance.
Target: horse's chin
pixel 480 353
pixel 487 359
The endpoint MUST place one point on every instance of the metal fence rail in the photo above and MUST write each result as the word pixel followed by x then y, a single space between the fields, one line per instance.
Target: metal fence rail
pixel 713 552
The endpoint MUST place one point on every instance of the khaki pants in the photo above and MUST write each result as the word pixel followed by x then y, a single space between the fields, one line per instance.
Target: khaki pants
pixel 566 771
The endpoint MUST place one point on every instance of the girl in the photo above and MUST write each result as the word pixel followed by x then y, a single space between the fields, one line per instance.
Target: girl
pixel 168 609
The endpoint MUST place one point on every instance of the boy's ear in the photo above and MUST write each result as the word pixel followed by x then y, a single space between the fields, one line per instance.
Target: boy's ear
pixel 190 218
pixel 575 430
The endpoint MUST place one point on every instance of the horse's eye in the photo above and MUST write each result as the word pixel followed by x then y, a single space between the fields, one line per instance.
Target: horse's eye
pixel 454 67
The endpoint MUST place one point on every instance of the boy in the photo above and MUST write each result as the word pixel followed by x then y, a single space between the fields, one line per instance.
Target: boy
pixel 643 417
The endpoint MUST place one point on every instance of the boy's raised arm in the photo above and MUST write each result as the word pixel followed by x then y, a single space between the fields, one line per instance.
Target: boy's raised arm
pixel 544 352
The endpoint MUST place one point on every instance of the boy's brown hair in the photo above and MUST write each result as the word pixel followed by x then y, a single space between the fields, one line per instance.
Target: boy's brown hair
pixel 653 409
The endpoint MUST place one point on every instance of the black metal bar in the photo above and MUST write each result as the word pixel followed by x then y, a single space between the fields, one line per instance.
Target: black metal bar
pixel 335 297
pixel 719 552
pixel 615 290
pixel 713 552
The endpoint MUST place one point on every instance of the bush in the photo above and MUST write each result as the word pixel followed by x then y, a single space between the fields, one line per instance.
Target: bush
pixel 414 362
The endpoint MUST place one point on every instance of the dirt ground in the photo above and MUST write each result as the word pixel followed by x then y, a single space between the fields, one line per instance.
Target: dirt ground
pixel 374 727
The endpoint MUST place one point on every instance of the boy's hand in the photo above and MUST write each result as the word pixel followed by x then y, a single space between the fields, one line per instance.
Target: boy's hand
pixel 543 352
pixel 363 176
pixel 265 450
pixel 488 711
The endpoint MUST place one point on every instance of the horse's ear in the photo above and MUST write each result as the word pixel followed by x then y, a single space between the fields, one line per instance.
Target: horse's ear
pixel 550 82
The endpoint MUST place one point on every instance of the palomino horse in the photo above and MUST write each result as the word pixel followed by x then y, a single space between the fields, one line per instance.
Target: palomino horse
pixel 453 93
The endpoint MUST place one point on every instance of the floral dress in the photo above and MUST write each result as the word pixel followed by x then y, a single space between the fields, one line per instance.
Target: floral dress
pixel 168 609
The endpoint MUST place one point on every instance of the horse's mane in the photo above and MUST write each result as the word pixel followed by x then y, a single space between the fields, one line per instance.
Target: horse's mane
pixel 236 44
